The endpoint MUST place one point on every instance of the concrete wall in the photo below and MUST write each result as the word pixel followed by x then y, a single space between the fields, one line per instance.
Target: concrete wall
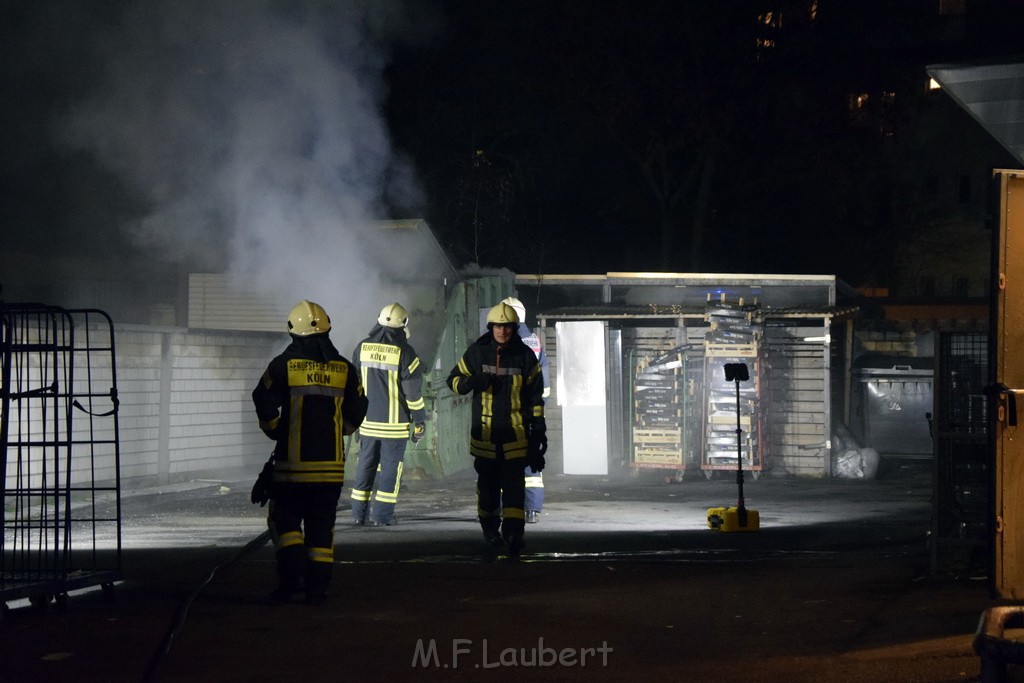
pixel 184 409
pixel 185 401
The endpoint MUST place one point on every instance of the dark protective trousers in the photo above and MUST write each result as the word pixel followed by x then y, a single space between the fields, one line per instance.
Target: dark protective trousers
pixel 500 495
pixel 301 521
pixel 534 490
pixel 385 455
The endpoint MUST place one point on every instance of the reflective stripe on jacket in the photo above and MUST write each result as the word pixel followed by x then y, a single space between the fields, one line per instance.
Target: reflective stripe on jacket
pixel 392 377
pixel 511 404
pixel 307 400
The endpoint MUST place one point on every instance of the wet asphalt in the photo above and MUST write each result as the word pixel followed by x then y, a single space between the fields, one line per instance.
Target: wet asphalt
pixel 621 579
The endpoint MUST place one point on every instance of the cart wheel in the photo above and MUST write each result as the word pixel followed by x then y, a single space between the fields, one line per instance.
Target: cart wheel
pixel 108 592
pixel 61 601
pixel 39 601
pixel 680 475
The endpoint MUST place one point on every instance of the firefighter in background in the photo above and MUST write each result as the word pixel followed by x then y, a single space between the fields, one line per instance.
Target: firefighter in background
pixel 534 479
pixel 392 377
pixel 508 429
pixel 308 400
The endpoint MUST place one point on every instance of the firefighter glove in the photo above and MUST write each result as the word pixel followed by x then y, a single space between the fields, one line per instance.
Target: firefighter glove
pixel 538 446
pixel 418 432
pixel 535 461
pixel 261 490
pixel 481 382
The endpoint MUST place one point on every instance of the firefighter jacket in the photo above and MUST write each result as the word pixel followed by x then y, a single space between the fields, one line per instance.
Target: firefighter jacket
pixel 507 392
pixel 308 399
pixel 392 377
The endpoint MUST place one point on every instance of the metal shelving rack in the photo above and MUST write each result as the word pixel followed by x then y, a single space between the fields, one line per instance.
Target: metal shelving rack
pixel 60 453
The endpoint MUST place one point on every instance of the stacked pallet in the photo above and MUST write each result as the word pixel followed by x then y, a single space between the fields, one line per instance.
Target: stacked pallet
pixel 734 338
pixel 658 409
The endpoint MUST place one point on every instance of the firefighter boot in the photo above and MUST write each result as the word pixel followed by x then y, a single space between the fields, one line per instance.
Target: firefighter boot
pixel 318 576
pixel 359 510
pixel 291 564
pixel 512 530
pixel 492 536
pixel 515 545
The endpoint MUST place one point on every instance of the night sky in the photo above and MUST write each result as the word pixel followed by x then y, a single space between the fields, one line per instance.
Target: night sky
pixel 683 136
pixel 543 137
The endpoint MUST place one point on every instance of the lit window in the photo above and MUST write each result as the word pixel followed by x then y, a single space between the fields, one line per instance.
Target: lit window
pixel 857 105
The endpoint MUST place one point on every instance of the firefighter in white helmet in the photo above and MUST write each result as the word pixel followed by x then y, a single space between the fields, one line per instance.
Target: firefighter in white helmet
pixel 508 430
pixel 393 378
pixel 307 400
pixel 534 479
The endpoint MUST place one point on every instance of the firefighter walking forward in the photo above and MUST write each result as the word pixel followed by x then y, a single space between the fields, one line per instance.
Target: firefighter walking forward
pixel 307 400
pixel 392 376
pixel 508 429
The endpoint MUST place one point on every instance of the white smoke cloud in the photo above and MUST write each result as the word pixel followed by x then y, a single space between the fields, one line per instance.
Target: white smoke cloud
pixel 254 130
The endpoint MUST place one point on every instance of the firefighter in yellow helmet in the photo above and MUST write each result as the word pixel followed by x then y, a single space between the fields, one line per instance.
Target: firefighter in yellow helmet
pixel 393 378
pixel 534 479
pixel 508 429
pixel 307 400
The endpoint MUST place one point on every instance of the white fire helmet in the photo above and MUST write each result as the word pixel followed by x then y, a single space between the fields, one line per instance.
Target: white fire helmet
pixel 518 305
pixel 393 316
pixel 308 318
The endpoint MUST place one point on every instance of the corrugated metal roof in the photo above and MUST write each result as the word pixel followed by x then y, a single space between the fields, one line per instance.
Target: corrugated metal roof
pixel 689 279
pixel 993 94
pixel 675 311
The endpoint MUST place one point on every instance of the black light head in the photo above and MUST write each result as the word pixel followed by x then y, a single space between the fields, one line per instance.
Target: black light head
pixel 736 372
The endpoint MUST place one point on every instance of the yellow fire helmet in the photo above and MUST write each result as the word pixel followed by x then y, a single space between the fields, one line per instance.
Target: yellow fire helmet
pixel 518 305
pixel 502 314
pixel 308 318
pixel 394 316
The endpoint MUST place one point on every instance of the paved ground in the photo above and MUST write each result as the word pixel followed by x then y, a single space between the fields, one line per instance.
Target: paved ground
pixel 622 580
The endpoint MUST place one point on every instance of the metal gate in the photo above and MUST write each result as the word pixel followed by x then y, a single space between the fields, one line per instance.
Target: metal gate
pixel 59 449
pixel 960 518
